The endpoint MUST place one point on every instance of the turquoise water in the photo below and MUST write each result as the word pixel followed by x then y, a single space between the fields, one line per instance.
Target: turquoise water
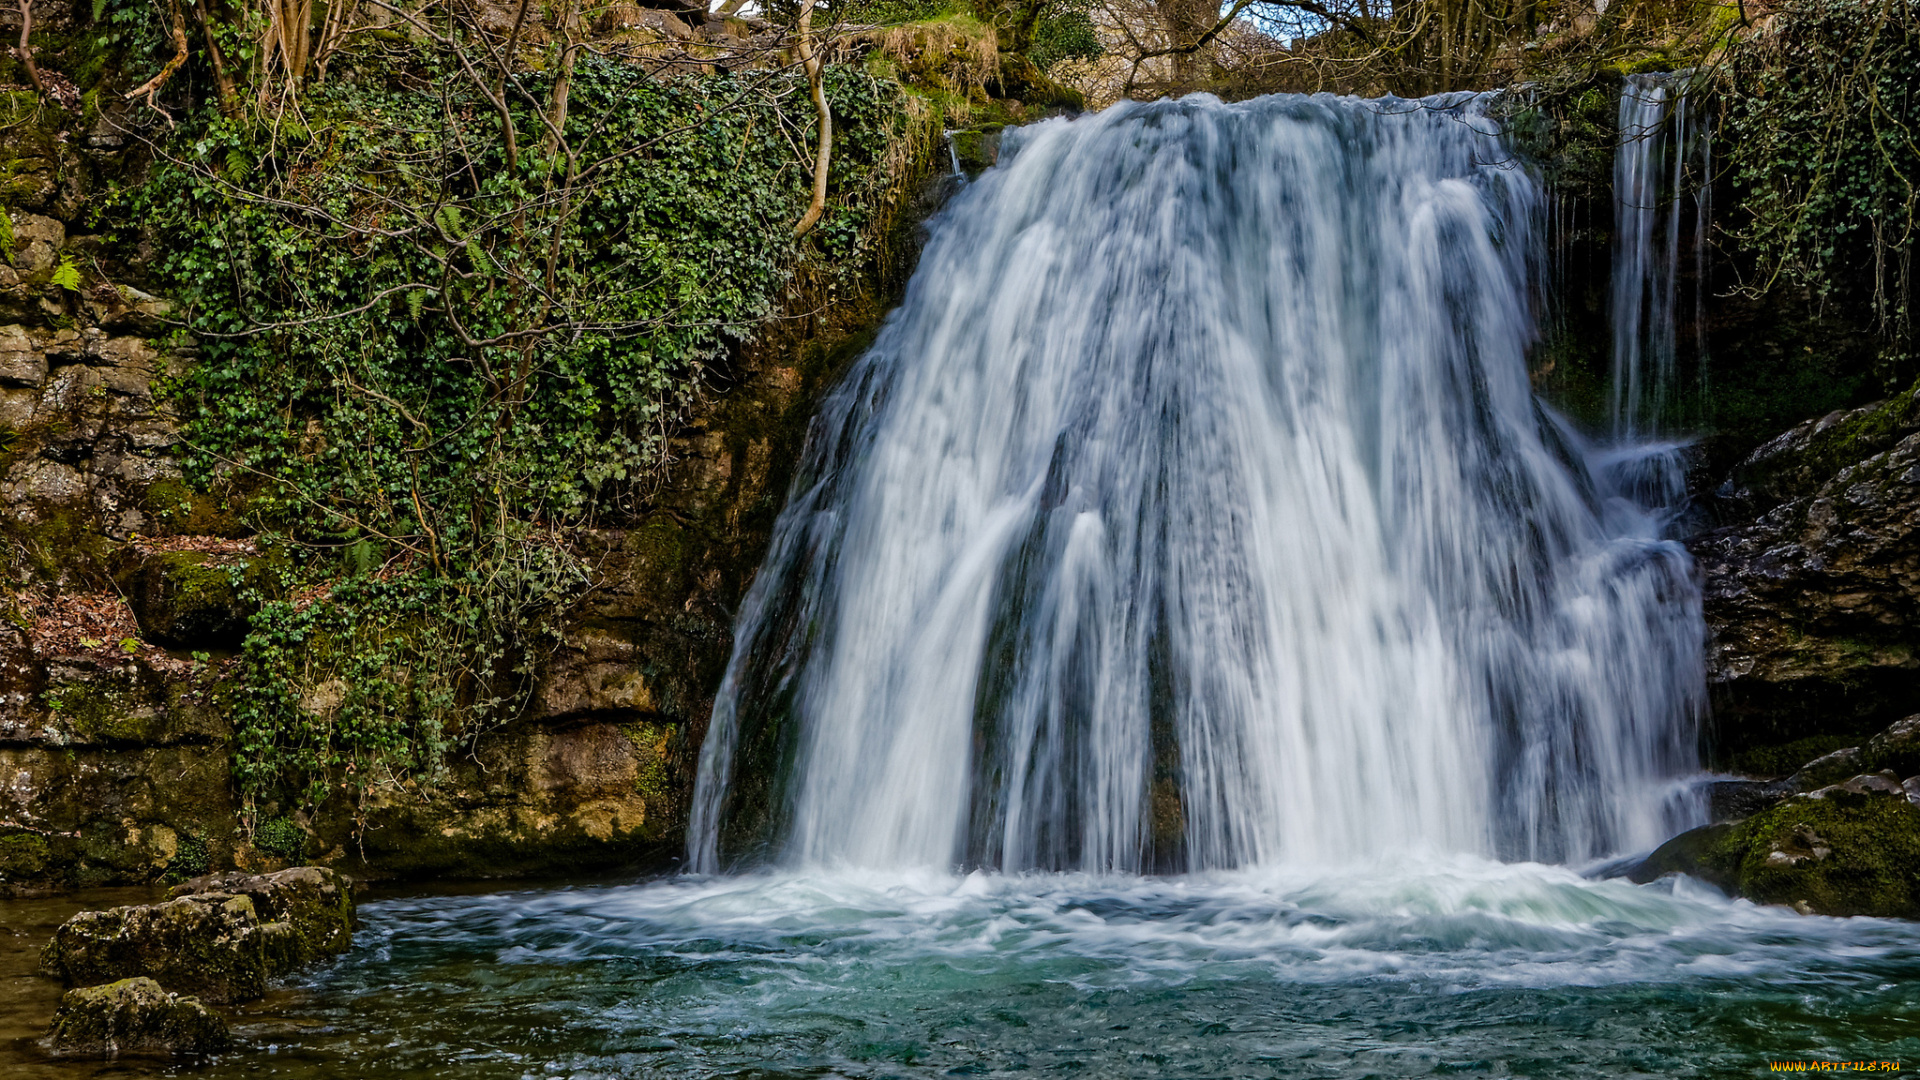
pixel 1399 968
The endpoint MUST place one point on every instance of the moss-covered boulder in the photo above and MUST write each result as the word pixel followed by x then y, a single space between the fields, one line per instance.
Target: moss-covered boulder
pixel 213 945
pixel 1851 848
pixel 134 1016
pixel 190 599
pixel 221 936
pixel 315 903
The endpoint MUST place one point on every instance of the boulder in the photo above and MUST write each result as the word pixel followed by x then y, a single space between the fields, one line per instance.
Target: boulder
pixel 213 945
pixel 221 936
pixel 1851 848
pixel 315 903
pixel 134 1016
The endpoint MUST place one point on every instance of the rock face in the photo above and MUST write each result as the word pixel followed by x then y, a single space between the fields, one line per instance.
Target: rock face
pixel 127 596
pixel 134 1016
pixel 223 938
pixel 1811 600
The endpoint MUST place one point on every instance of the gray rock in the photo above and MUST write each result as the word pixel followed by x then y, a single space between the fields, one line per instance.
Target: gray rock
pixel 213 945
pixel 1811 598
pixel 134 1016
pixel 21 363
pixel 36 242
pixel 1825 770
pixel 315 903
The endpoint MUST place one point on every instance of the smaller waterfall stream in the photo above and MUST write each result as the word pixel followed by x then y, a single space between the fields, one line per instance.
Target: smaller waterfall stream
pixel 1663 162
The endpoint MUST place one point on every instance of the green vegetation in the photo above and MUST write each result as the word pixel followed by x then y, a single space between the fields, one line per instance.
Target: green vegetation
pixel 281 837
pixel 191 858
pixel 1822 117
pixel 428 359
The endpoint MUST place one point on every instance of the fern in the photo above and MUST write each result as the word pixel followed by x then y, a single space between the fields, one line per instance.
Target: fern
pixel 67 275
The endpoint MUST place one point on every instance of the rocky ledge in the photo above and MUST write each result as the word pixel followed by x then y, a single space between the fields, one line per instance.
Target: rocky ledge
pixel 1812 596
pixel 1840 836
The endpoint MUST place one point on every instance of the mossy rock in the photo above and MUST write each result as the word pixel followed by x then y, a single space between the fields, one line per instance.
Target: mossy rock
pixel 1849 849
pixel 314 902
pixel 1797 463
pixel 214 945
pixel 23 855
pixel 184 511
pixel 134 1016
pixel 109 710
pixel 189 598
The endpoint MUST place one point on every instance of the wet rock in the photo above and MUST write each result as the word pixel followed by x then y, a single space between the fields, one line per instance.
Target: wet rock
pixel 314 902
pixel 1851 848
pixel 1731 800
pixel 213 945
pixel 1693 853
pixel 1811 595
pixel 1897 748
pixel 1826 769
pixel 134 1016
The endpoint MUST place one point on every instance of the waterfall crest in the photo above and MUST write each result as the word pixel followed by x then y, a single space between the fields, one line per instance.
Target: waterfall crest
pixel 1194 510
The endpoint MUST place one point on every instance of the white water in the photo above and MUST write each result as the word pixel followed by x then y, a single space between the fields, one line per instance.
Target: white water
pixel 1194 510
pixel 1665 148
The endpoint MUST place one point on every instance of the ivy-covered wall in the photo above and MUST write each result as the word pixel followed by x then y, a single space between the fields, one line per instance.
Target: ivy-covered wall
pixel 459 435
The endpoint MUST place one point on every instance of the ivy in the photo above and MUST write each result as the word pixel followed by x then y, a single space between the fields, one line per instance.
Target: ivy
pixel 431 364
pixel 1823 115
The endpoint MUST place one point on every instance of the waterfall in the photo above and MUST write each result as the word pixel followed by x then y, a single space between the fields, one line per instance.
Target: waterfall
pixel 1663 140
pixel 1194 511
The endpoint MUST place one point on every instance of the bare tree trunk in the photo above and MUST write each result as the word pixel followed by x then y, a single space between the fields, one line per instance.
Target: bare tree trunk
pixel 810 60
pixel 563 79
pixel 25 51
pixel 222 78
pixel 151 88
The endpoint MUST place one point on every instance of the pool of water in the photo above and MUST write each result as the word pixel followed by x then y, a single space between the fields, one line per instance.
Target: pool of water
pixel 1407 967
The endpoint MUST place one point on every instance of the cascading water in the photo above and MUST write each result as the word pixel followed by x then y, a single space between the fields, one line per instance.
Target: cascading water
pixel 1194 510
pixel 1665 148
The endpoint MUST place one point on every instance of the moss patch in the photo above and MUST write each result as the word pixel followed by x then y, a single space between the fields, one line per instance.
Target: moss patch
pixel 1844 854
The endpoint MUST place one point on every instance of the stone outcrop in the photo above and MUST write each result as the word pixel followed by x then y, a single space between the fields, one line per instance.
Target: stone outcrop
pixel 1812 597
pixel 315 903
pixel 115 748
pixel 1840 835
pixel 129 594
pixel 221 937
pixel 213 945
pixel 86 442
pixel 134 1016
pixel 1851 848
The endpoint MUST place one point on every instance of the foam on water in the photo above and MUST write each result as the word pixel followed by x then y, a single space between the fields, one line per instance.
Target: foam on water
pixel 1403 965
pixel 1463 921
